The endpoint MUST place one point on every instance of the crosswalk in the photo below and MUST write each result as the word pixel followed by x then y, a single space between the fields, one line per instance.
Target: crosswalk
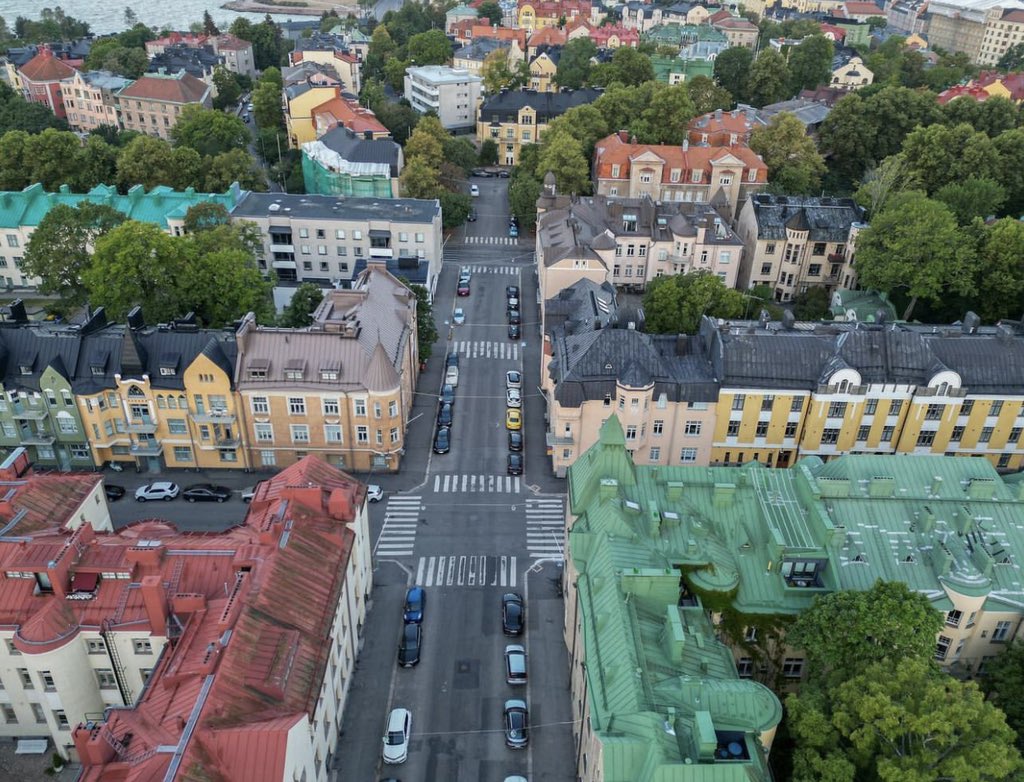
pixel 506 240
pixel 465 484
pixel 510 271
pixel 545 528
pixel 501 351
pixel 466 571
pixel 401 520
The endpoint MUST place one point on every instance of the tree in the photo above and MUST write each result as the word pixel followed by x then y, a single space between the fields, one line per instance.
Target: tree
pixel 621 106
pixel 880 184
pixel 732 70
pixel 298 313
pixel 266 105
pixel 1004 684
pixel 794 163
pixel 1010 146
pixel 426 329
pixel 488 152
pixel 769 80
pixel 585 123
pixel 204 216
pixel 220 279
pixel 419 180
pixel 847 138
pixel 455 208
pixel 209 132
pixel 151 161
pixel 895 111
pixel 52 156
pixel 130 62
pixel 490 11
pixel 812 304
pixel 810 63
pixel 939 154
pixel 888 622
pixel 429 48
pixel 915 243
pixel 1012 59
pixel 497 74
pixel 628 67
pixel 460 153
pixel 96 163
pixel 574 63
pixel 523 191
pixel 209 26
pixel 16 113
pixel 676 304
pixel 708 96
pixel 973 197
pixel 1000 273
pixel 14 164
pixel 562 155
pixel 666 117
pixel 228 88
pixel 428 141
pixel 994 116
pixel 58 252
pixel 236 165
pixel 381 49
pixel 900 720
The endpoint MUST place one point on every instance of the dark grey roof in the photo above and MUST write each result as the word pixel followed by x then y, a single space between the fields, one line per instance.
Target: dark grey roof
pixel 825 219
pixel 480 48
pixel 504 106
pixel 356 149
pixel 167 351
pixel 553 52
pixel 322 42
pixel 317 207
pixel 197 61
pixel 583 306
pixel 30 350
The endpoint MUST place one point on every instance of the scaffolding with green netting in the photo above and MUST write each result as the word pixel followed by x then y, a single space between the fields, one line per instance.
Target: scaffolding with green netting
pixel 324 172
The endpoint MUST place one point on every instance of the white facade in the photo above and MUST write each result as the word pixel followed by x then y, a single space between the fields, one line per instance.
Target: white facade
pixel 453 94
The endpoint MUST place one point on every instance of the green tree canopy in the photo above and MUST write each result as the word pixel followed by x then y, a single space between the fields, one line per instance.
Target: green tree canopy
pixel 1010 146
pixel 894 112
pixel 994 116
pixel 204 216
pixel 1003 682
pixel 939 154
pixel 266 103
pixel 1000 271
pixel 523 191
pixel 627 66
pixel 455 208
pixel 794 163
pixel 847 136
pixel 236 165
pixel 562 155
pixel 574 64
pixel 150 161
pixel 769 78
pixel 585 123
pixel 228 88
pixel 489 11
pixel 488 152
pixel 708 96
pixel 732 70
pixel 426 329
pixel 810 63
pixel 429 48
pixel 497 74
pixel 622 106
pixel 1012 59
pixel 971 198
pixel 16 113
pixel 812 304
pixel 298 313
pixel 667 116
pixel 208 131
pixel 915 244
pixel 675 305
pixel 419 179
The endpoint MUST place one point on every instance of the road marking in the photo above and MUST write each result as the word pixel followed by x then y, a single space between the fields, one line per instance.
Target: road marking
pixel 401 523
pixel 545 528
pixel 467 570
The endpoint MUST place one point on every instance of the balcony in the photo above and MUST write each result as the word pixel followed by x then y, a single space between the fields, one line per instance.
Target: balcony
pixel 837 258
pixel 142 426
pixel 214 417
pixel 563 439
pixel 282 248
pixel 37 438
pixel 26 413
pixel 228 442
pixel 381 252
pixel 149 448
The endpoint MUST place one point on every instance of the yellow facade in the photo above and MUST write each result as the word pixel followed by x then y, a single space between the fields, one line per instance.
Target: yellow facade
pixel 542 74
pixel 511 136
pixel 298 115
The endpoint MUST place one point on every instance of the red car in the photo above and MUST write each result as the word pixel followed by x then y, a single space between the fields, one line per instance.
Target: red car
pixel 463 289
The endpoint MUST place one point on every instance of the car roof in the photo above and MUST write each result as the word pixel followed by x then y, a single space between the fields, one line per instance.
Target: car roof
pixel 514 648
pixel 416 590
pixel 513 595
pixel 515 704
pixel 161 485
pixel 396 718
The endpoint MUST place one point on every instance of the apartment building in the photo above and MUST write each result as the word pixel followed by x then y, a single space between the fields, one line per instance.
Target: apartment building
pixel 323 239
pixel 959 25
pixel 343 389
pixel 471 57
pixel 737 29
pixel 512 118
pixel 90 99
pixel 852 76
pixel 331 51
pixel 725 177
pixel 237 54
pixel 343 163
pixel 715 524
pixel 150 652
pixel 1004 28
pixel 347 113
pixel 300 100
pixel 41 79
pixel 794 242
pixel 544 68
pixel 451 93
pixel 538 14
pixel 153 103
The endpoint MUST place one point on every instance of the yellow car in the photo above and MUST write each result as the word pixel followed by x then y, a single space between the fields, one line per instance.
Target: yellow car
pixel 513 419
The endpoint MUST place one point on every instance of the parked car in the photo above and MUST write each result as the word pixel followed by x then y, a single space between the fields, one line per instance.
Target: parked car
pixel 512 303
pixel 514 318
pixel 514 331
pixel 447 396
pixel 513 420
pixel 465 273
pixel 444 415
pixel 113 491
pixel 513 613
pixel 396 738
pixel 415 604
pixel 503 174
pixel 515 664
pixel 451 360
pixel 471 217
pixel 459 316
pixel 248 494
pixel 161 490
pixel 206 492
pixel 451 377
pixel 515 464
pixel 474 190
pixel 482 172
pixel 515 441
pixel 513 231
pixel 513 398
pixel 517 724
pixel 409 646
pixel 443 440
pixel 513 379
pixel 512 291
pixel 374 493
pixel 463 289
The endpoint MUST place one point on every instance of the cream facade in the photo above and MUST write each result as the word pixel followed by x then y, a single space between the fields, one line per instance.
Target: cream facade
pixel 451 93
pixel 852 76
pixel 90 99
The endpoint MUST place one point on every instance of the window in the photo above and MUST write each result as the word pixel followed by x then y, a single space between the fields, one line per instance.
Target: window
pixel 658 428
pixel 829 436
pixel 12 240
pixel 814 270
pixel 360 405
pixel 925 439
pixel 745 667
pixel 761 430
pixel 750 634
pixel 733 429
pixel 792 667
pixel 176 426
pixel 996 408
pixel 392 408
pixel 61 719
pixel 942 647
pixel 332 433
pixel 106 679
pixel 790 430
pixel 394 434
pixel 339 233
pixel 863 432
pixel 895 406
pixel 766 269
pixel 986 434
pixel 818 249
pixel 296 405
pixel 738 401
pixel 37 713
pixel 362 434
pixel 378 410
pixel 933 413
pixel 953 617
pixel 692 428
pixel 837 409
pixel 769 249
pixel 970 619
pixel 48 683
pixel 8 712
pixel 688 455
pixel 300 433
pixel 66 423
pixel 887 433
pixel 870 406
pixel 330 406
pixel 967 407
pixel 655 453
pixel 260 405
pixel 631 432
pixel 264 433
pixel 96 645
pixel 767 401
pixel 145 673
pixel 797 404
pixel 269 458
pixel 1014 434
pixel 957 434
pixel 142 646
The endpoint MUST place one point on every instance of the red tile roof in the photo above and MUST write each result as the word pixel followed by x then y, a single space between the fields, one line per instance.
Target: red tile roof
pixel 837 33
pixel 551 36
pixel 618 150
pixel 861 8
pixel 339 111
pixel 180 88
pixel 31 503
pixel 245 688
pixel 45 67
pixel 1014 82
pixel 229 41
pixel 974 91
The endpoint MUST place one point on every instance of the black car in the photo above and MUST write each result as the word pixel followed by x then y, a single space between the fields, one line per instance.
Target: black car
pixel 514 317
pixel 471 217
pixel 451 360
pixel 513 220
pixel 512 291
pixel 409 647
pixel 447 396
pixel 443 440
pixel 513 613
pixel 206 492
pixel 482 172
pixel 113 491
pixel 444 415
pixel 503 174
pixel 515 464
pixel 517 724
pixel 515 441
pixel 513 331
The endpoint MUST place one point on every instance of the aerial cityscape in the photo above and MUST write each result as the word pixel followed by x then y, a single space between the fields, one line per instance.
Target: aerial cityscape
pixel 512 391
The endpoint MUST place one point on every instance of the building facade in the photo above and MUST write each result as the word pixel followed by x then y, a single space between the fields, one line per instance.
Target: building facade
pixel 300 100
pixel 852 76
pixel 537 14
pixel 342 163
pixel 795 242
pixel 41 79
pixel 451 93
pixel 153 103
pixel 90 99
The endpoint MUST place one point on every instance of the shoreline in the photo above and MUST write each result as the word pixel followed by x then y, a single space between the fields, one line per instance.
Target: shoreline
pixel 277 10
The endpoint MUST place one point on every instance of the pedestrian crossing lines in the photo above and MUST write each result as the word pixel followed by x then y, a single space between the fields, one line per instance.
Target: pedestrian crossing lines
pixel 506 240
pixel 466 571
pixel 465 484
pixel 510 271
pixel 545 529
pixel 501 351
pixel 401 520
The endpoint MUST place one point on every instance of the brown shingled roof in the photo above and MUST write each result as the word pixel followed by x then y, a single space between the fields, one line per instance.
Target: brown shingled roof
pixel 180 88
pixel 45 67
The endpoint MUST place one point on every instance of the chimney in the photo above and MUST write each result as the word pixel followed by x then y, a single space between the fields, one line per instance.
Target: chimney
pixel 136 320
pixel 15 465
pixel 18 314
pixel 339 505
pixel 970 323
pixel 686 145
pixel 718 115
pixel 154 599
pixel 89 744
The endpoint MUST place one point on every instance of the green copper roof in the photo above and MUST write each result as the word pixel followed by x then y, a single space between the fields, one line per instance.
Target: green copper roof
pixel 689 69
pixel 29 206
pixel 678 34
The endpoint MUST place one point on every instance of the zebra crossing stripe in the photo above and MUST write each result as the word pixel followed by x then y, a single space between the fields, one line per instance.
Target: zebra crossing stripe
pixel 502 351
pixel 401 522
pixel 467 571
pixel 545 529
pixel 464 483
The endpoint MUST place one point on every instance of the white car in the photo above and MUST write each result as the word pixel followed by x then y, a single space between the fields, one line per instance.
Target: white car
pixel 474 190
pixel 451 377
pixel 248 494
pixel 512 398
pixel 396 739
pixel 161 490
pixel 513 379
pixel 374 493
pixel 459 316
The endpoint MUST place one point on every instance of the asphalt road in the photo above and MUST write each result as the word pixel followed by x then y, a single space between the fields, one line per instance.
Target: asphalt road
pixel 457 524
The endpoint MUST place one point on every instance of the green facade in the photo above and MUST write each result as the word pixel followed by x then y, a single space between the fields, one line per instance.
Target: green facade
pixel 45 421
pixel 322 181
